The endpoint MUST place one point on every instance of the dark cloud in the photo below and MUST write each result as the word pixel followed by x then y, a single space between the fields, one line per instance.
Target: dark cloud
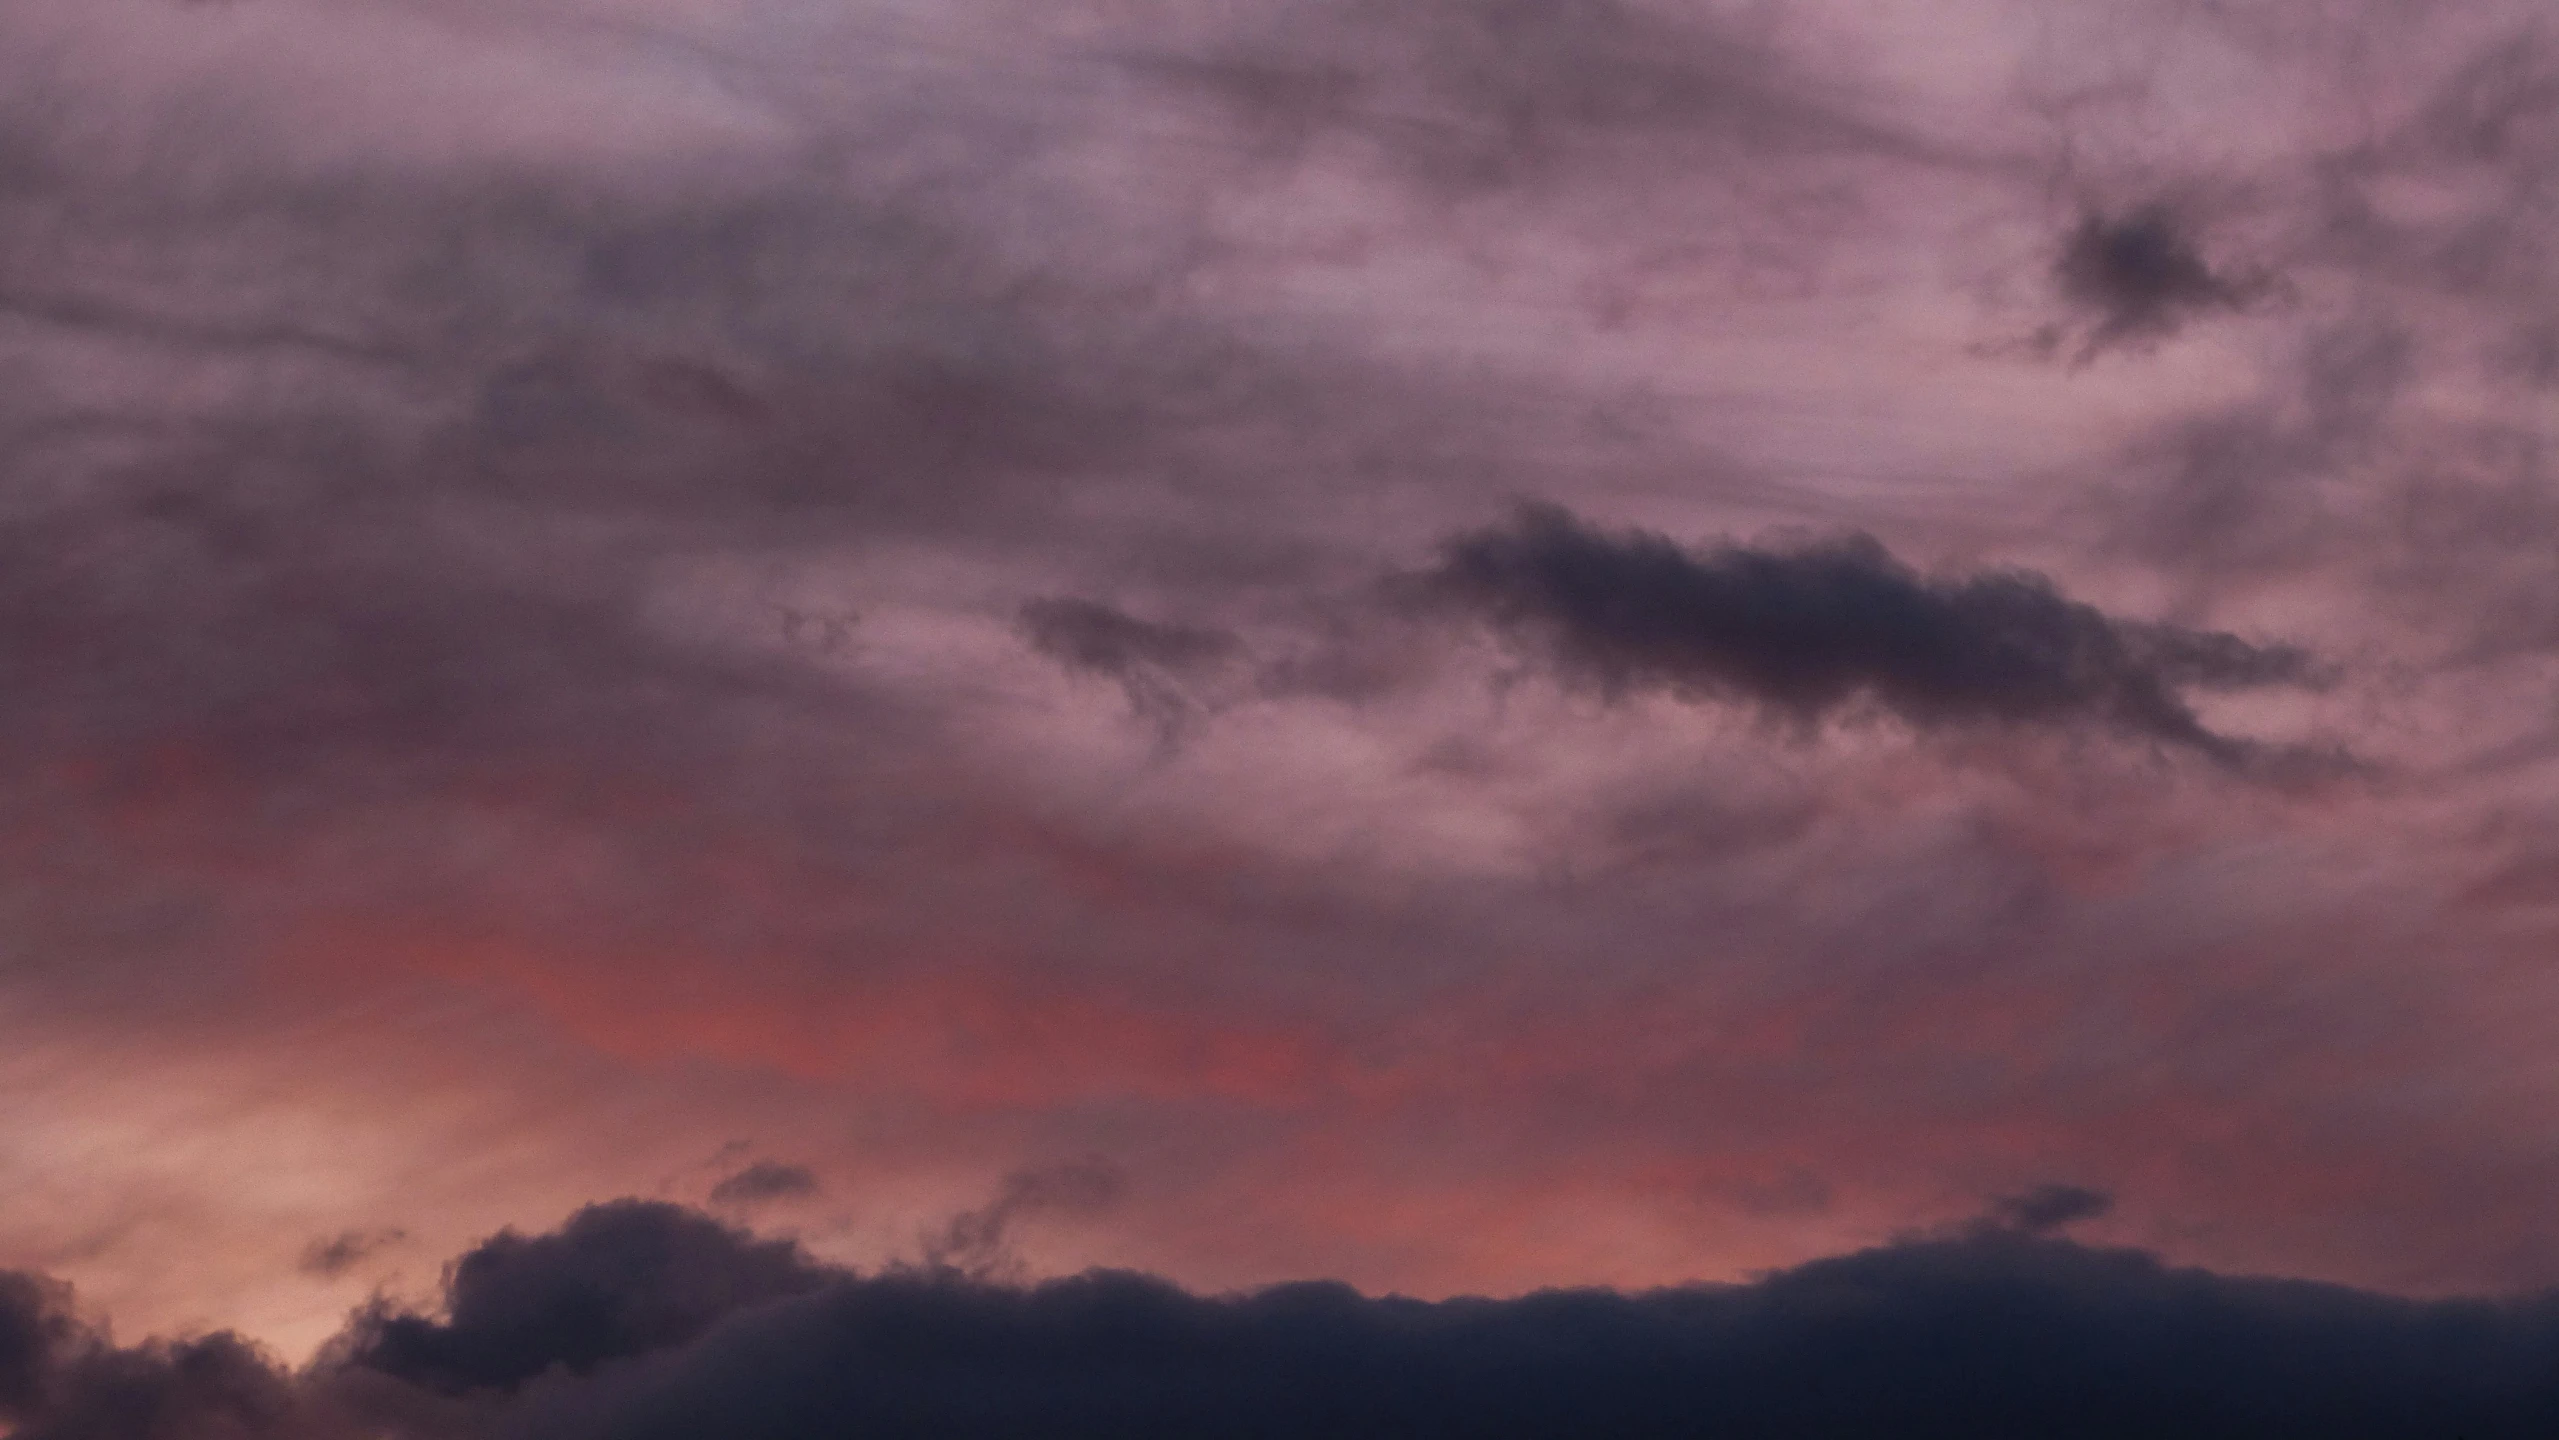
pixel 334 1255
pixel 2414 246
pixel 61 1379
pixel 216 1385
pixel 1995 1333
pixel 34 1331
pixel 617 1280
pixel 1808 631
pixel 425 528
pixel 763 1181
pixel 2050 1207
pixel 523 404
pixel 1099 640
pixel 2140 275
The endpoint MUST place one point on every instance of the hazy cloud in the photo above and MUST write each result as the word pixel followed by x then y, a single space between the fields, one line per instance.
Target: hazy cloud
pixel 35 1328
pixel 617 1280
pixel 449 444
pixel 334 1255
pixel 765 1181
pixel 61 1379
pixel 979 1242
pixel 2050 1207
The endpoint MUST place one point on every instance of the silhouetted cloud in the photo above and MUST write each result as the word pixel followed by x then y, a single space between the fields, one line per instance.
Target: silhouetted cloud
pixel 617 1280
pixel 1807 631
pixel 667 1324
pixel 1997 1332
pixel 763 1181
pixel 2007 1337
pixel 61 1379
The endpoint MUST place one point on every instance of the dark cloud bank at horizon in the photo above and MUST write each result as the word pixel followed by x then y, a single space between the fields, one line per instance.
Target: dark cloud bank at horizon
pixel 641 1319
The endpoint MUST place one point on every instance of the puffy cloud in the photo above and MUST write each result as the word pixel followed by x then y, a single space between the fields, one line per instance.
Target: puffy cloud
pixel 618 1280
pixel 978 1242
pixel 334 1255
pixel 61 1379
pixel 2050 1207
pixel 1476 95
pixel 1995 1336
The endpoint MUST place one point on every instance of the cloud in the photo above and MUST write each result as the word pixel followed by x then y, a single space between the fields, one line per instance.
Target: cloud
pixel 34 1331
pixel 61 1379
pixel 2049 1207
pixel 1806 632
pixel 617 1280
pixel 1995 1332
pixel 1998 1336
pixel 979 1242
pixel 2141 276
pixel 334 1255
pixel 1082 635
pixel 763 1181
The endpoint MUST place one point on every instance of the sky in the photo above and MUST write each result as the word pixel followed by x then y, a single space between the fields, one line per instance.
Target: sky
pixel 1452 648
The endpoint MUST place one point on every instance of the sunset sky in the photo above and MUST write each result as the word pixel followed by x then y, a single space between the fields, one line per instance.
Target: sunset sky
pixel 1458 646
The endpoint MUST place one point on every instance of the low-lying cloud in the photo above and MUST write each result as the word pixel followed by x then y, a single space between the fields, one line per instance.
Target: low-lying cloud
pixel 617 1280
pixel 641 1320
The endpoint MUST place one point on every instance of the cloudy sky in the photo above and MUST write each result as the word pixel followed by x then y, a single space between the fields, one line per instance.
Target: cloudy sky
pixel 1457 646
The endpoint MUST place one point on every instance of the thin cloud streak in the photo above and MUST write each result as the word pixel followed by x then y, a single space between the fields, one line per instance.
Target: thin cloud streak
pixel 641 1320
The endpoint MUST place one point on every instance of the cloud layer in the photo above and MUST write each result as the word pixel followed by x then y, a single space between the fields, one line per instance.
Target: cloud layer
pixel 1460 645
pixel 643 1320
